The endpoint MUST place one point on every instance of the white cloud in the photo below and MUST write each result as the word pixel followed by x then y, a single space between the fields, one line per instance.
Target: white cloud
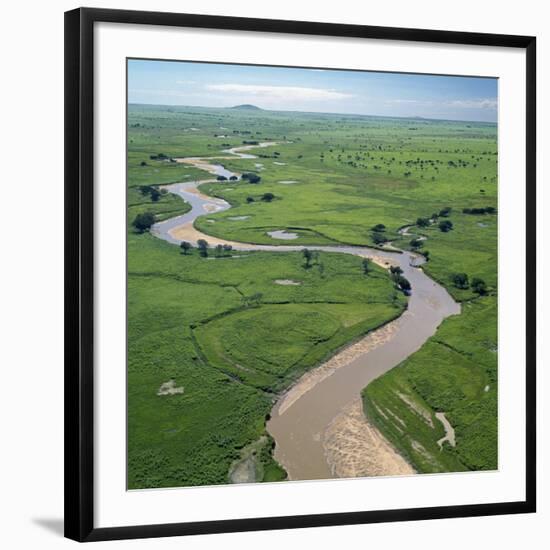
pixel 279 93
pixel 484 103
pixel 487 103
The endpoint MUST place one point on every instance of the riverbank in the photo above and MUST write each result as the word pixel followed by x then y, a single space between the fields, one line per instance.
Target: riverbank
pixel 300 421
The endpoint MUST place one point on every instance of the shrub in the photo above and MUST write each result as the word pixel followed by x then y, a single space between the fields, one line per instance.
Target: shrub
pixel 445 225
pixel 479 286
pixel 422 222
pixel 460 280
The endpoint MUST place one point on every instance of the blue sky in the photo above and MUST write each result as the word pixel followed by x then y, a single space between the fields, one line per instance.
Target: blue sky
pixel 314 90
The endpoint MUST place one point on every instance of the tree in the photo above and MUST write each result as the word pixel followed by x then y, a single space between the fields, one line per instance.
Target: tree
pixel 426 254
pixel 445 212
pixel 379 227
pixel 143 163
pixel 308 255
pixel 221 178
pixel 422 222
pixel 403 283
pixel 219 249
pixel 227 248
pixel 202 245
pixel 460 280
pixel 395 270
pixel 233 178
pixel 445 225
pixel 416 243
pixel 143 222
pixel 185 246
pixel 378 238
pixel 366 266
pixel 268 197
pixel 479 286
pixel 251 177
pixel 155 194
pixel 249 199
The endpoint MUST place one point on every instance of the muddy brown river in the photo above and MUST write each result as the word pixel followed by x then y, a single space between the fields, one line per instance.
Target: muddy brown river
pixel 299 426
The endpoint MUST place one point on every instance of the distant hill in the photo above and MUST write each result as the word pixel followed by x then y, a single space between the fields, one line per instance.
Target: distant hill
pixel 247 107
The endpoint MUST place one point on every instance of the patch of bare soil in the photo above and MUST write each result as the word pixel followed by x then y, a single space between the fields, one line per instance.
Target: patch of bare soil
pixel 449 430
pixel 355 448
pixel 287 282
pixel 170 388
pixel 187 232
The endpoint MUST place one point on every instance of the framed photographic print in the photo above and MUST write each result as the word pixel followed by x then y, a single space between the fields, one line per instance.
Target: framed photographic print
pixel 300 274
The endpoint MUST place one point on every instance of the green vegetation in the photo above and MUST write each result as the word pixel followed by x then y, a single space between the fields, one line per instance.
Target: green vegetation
pixel 216 323
pixel 230 337
pixel 453 374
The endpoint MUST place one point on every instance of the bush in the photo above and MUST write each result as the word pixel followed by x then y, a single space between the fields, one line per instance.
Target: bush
pixel 378 238
pixel 422 222
pixel 379 227
pixel 479 286
pixel 460 280
pixel 268 197
pixel 445 225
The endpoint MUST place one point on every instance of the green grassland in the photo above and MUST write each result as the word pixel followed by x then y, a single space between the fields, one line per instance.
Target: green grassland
pixel 223 333
pixel 230 337
pixel 453 374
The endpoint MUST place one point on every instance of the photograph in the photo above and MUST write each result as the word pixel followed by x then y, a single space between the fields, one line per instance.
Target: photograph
pixel 312 273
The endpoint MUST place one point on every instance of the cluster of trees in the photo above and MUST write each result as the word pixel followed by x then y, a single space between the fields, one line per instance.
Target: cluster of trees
pixel 161 156
pixel 153 192
pixel 249 142
pixel 486 210
pixel 401 282
pixel 144 221
pixel 203 247
pixel 266 197
pixel 478 285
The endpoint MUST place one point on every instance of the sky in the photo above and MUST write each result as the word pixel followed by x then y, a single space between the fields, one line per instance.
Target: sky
pixel 312 90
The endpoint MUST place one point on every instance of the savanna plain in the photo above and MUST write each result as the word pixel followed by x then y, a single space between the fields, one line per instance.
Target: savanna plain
pixel 217 336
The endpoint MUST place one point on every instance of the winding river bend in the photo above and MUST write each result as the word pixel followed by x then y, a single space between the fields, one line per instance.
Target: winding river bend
pixel 304 420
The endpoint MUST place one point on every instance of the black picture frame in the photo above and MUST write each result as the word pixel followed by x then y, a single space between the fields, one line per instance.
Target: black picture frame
pixel 79 269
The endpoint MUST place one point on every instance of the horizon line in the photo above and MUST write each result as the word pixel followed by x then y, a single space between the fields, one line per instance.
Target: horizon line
pixel 411 117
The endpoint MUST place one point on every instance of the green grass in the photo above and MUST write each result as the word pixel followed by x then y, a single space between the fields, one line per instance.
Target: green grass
pixel 211 332
pixel 453 374
pixel 231 337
